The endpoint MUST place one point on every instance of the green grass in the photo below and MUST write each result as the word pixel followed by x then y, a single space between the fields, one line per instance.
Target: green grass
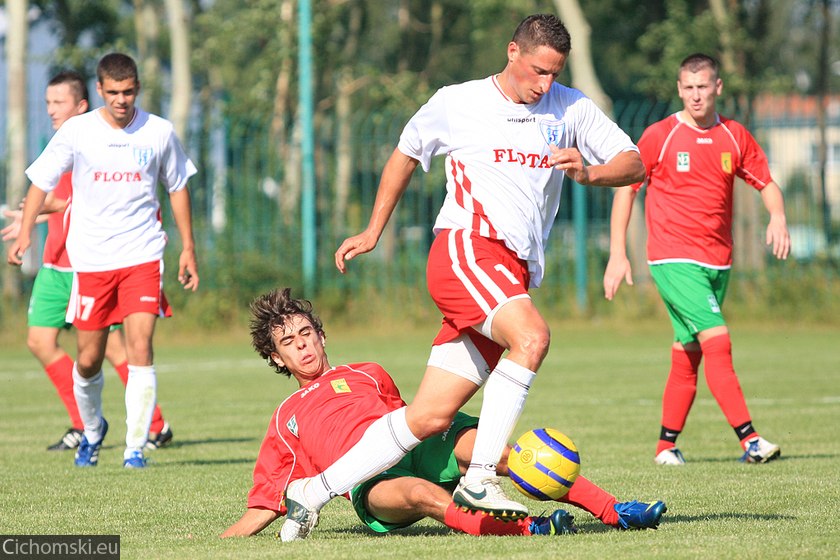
pixel 601 385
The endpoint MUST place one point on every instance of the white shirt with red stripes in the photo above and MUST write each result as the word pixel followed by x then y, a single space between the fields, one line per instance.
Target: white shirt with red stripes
pixel 115 210
pixel 498 180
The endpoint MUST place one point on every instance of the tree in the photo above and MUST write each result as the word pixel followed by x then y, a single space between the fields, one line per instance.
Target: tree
pixel 147 31
pixel 83 30
pixel 179 38
pixel 16 132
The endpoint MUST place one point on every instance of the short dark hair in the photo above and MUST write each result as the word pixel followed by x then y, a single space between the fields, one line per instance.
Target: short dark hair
pixel 542 30
pixel 276 309
pixel 698 61
pixel 74 80
pixel 116 66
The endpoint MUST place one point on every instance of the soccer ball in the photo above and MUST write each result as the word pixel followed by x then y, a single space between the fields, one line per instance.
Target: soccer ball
pixel 544 464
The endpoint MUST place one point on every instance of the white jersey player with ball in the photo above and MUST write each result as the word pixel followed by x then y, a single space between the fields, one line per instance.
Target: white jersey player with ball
pixel 500 183
pixel 508 139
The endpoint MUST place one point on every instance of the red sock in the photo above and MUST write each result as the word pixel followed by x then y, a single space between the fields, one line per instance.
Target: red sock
pixel 479 523
pixel 679 393
pixel 722 381
pixel 592 498
pixel 60 373
pixel 157 417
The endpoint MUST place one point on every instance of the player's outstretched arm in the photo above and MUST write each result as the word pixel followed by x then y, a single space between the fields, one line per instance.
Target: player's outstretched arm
pixel 618 267
pixel 777 236
pixel 252 522
pixel 395 178
pixel 31 207
pixel 187 263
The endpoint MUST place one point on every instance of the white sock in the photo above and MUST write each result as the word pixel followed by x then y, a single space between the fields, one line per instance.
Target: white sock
pixel 88 393
pixel 504 398
pixel 383 445
pixel 140 394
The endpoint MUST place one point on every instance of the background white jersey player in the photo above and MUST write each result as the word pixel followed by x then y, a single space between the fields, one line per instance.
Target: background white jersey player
pixel 117 154
pixel 509 140
pixel 115 174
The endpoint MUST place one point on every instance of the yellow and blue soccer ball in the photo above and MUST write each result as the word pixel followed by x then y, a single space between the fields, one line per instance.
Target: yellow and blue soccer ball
pixel 544 464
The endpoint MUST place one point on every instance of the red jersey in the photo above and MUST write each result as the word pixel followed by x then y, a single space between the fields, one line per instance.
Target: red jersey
pixel 55 252
pixel 316 425
pixel 689 174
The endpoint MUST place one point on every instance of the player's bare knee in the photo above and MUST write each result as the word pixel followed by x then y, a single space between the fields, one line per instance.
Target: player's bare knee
pixel 533 347
pixel 425 426
pixel 37 346
pixel 423 495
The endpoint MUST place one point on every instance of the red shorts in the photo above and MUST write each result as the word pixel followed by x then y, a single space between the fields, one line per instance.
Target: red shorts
pixel 102 299
pixel 469 277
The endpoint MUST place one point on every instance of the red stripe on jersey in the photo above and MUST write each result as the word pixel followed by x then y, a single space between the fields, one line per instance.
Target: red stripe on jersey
pixel 463 195
pixel 459 192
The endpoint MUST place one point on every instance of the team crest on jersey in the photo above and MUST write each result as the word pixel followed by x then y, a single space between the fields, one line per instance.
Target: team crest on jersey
pixel 552 131
pixel 683 162
pixel 292 425
pixel 726 162
pixel 340 386
pixel 143 154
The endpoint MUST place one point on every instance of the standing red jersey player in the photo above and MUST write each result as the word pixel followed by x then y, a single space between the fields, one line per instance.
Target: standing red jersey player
pixel 691 160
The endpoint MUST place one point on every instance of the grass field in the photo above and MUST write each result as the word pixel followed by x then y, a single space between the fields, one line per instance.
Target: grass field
pixel 600 385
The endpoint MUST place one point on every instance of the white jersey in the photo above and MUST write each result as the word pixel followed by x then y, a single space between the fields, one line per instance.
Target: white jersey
pixel 498 180
pixel 115 220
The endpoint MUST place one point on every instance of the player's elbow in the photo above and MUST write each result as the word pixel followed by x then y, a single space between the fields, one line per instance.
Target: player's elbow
pixel 636 169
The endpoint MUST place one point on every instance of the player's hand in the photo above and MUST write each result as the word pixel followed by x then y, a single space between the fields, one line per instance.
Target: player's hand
pixel 188 270
pixel 17 249
pixel 352 246
pixel 778 237
pixel 570 161
pixel 12 231
pixel 618 269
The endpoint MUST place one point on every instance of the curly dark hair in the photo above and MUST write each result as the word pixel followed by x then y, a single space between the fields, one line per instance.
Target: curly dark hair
pixel 542 30
pixel 272 310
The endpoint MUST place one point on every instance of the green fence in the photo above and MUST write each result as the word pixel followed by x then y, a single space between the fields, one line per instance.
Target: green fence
pixel 248 215
pixel 258 244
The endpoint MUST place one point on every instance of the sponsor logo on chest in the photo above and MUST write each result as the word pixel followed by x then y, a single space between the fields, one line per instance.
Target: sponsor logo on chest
pixel 117 176
pixel 683 162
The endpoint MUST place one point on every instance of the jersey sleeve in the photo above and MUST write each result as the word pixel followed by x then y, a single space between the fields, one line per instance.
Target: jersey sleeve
pixel 597 137
pixel 274 470
pixel 56 159
pixel 427 133
pixel 390 392
pixel 754 168
pixel 176 167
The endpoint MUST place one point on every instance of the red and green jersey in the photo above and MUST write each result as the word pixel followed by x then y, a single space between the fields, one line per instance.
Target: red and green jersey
pixel 689 175
pixel 55 253
pixel 316 425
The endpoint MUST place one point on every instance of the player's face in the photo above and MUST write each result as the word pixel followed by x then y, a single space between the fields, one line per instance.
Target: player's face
pixel 529 75
pixel 62 104
pixel 699 91
pixel 119 98
pixel 300 347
